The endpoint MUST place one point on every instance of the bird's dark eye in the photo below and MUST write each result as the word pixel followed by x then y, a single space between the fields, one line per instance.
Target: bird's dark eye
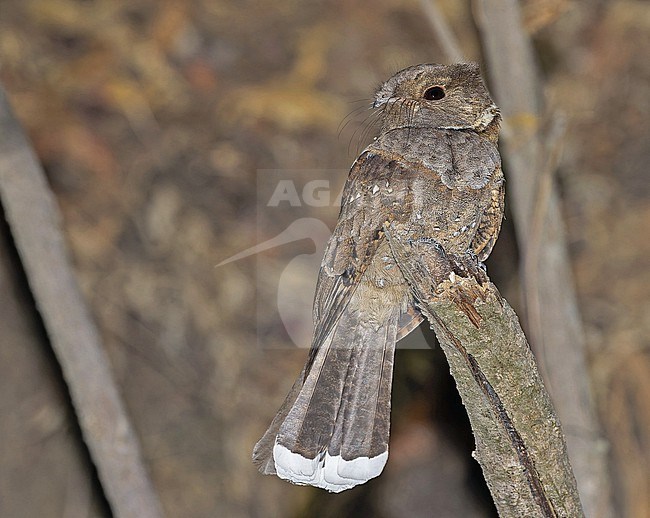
pixel 435 93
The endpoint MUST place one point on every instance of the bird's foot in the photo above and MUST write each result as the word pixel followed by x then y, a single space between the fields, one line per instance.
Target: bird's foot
pixel 468 265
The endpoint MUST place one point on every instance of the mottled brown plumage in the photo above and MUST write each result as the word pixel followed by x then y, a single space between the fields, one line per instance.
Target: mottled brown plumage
pixel 433 173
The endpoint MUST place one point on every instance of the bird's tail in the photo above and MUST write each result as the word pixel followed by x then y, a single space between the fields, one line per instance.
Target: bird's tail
pixel 332 430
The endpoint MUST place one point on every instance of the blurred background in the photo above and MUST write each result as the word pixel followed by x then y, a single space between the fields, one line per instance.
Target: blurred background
pixel 153 120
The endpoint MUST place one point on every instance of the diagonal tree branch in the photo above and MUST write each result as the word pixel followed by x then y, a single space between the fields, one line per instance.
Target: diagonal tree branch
pixel 33 218
pixel 519 441
pixel 551 307
pixel 445 36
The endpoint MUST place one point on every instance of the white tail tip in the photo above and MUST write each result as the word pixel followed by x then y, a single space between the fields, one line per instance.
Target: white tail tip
pixel 332 473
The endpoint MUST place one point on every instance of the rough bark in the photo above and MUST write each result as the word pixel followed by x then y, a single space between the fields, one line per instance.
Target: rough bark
pixel 519 441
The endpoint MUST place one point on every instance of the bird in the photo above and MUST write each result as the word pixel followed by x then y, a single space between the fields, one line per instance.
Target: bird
pixel 432 173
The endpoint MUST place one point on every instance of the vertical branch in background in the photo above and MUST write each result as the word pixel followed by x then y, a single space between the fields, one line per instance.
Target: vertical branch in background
pixel 552 314
pixel 33 218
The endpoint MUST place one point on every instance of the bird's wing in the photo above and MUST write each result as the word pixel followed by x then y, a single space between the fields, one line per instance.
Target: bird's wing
pixel 376 186
pixel 490 224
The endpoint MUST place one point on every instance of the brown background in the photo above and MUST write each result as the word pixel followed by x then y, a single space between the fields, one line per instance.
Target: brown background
pixel 152 119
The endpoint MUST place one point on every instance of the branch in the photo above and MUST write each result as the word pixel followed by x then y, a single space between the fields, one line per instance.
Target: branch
pixel 34 221
pixel 519 441
pixel 445 36
pixel 552 312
